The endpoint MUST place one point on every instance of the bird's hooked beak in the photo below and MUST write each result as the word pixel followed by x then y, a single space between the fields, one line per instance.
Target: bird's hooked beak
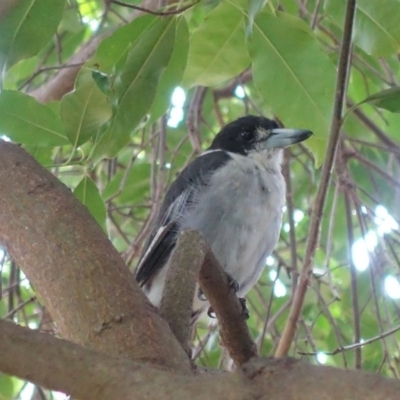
pixel 281 137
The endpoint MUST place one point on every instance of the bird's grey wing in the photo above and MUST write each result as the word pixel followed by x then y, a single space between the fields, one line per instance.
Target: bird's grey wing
pixel 177 201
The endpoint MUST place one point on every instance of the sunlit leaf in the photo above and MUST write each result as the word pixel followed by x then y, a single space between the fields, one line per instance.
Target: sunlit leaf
pixel 376 28
pixel 26 121
pixel 294 75
pixel 172 75
pixel 217 48
pixel 115 47
pixel 135 85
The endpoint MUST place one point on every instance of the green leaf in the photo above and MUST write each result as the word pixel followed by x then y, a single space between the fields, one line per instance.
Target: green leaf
pixel 84 110
pixel 88 194
pixel 102 81
pixel 25 120
pixel 255 6
pixel 218 48
pixel 114 48
pixel 172 75
pixel 376 28
pixel 135 85
pixel 294 76
pixel 19 72
pixel 388 99
pixel 26 27
pixel 135 187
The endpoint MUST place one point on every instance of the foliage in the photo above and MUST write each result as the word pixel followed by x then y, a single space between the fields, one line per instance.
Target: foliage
pixel 117 140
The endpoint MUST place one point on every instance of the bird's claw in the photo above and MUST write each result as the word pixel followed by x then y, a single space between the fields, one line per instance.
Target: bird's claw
pixel 211 313
pixel 245 310
pixel 201 296
pixel 233 283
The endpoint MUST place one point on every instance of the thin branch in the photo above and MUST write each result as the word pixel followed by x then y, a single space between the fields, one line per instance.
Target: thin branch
pixel 354 281
pixel 194 118
pixel 313 236
pixel 152 12
pixel 357 345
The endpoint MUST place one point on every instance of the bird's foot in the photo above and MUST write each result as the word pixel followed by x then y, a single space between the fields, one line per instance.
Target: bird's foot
pixel 232 283
pixel 245 310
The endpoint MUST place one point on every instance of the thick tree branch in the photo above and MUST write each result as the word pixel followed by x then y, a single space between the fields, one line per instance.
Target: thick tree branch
pixel 316 218
pixel 81 278
pixel 63 366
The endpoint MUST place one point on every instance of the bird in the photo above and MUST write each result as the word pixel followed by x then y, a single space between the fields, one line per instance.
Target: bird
pixel 234 195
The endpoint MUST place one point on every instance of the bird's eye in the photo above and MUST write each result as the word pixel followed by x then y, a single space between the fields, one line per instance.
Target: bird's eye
pixel 247 137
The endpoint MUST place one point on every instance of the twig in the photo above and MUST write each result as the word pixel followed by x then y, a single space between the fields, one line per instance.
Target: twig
pixel 354 281
pixel 357 345
pixel 313 236
pixel 148 11
pixel 194 117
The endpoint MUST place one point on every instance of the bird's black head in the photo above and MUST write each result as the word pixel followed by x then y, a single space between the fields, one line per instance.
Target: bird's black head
pixel 256 134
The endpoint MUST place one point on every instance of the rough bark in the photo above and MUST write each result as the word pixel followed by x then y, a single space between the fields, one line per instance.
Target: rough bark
pixel 85 374
pixel 81 278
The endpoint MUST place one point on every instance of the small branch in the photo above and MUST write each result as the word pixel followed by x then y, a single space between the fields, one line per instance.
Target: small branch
pixel 355 346
pixel 193 257
pixel 313 236
pixel 194 118
pixel 228 309
pixel 229 90
pixel 354 281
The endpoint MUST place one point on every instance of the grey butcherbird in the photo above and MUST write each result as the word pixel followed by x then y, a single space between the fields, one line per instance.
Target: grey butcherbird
pixel 234 195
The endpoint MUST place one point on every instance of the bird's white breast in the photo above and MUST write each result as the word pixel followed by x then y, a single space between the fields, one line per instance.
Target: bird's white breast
pixel 241 216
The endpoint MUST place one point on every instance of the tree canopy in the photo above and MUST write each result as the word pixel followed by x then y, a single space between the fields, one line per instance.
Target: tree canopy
pixel 115 98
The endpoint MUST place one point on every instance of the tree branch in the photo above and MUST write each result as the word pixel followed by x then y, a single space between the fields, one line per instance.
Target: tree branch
pixel 193 258
pixel 180 284
pixel 234 332
pixel 66 367
pixel 316 218
pixel 80 276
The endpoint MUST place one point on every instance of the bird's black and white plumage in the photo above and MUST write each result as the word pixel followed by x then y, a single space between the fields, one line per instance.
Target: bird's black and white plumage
pixel 234 195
